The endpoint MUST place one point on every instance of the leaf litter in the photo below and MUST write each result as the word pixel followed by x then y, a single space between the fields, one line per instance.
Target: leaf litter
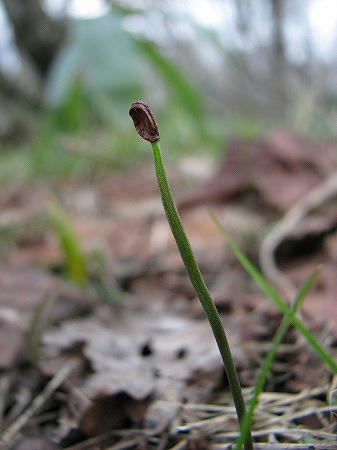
pixel 146 371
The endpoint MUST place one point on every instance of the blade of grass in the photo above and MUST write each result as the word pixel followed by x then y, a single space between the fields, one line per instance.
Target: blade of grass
pixel 181 87
pixel 266 365
pixel 74 257
pixel 272 294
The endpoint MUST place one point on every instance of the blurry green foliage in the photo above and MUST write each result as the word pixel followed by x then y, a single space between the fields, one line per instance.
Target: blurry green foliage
pixel 85 129
pixel 70 115
pixel 103 69
pixel 309 117
pixel 75 260
pixel 180 86
pixel 102 59
pixel 104 284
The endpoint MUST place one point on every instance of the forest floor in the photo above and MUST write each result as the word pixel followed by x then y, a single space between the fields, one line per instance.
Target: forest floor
pixel 125 359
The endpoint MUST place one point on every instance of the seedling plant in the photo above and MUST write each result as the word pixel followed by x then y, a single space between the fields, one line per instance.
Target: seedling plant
pixel 146 127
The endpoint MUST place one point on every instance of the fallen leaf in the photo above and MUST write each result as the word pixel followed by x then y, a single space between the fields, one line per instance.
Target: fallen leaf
pixel 111 412
pixel 140 353
pixel 279 170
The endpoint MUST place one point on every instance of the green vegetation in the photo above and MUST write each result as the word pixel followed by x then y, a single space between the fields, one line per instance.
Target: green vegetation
pixel 146 127
pixel 288 319
pixel 75 260
pixel 207 89
pixel 274 296
pixel 267 363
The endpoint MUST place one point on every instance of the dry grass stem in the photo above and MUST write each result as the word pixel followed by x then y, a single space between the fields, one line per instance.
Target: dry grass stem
pixel 37 403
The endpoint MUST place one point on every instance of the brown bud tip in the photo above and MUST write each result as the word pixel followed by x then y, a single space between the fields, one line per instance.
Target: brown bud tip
pixel 144 121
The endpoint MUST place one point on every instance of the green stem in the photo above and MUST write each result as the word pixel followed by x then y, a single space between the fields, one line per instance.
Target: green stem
pixel 200 287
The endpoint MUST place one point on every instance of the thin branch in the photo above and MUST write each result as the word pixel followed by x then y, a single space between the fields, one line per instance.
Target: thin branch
pixel 37 403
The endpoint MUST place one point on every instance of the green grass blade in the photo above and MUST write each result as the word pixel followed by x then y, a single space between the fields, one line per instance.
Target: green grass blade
pixel 272 294
pixel 265 368
pixel 75 260
pixel 188 95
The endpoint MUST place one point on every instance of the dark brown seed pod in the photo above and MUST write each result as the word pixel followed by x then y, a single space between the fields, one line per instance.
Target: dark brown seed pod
pixel 144 121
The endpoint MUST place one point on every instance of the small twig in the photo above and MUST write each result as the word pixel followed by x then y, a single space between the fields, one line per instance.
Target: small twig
pixel 290 417
pixel 208 408
pixel 166 433
pixel 300 209
pixel 180 445
pixel 23 397
pixel 295 433
pixel 332 398
pixel 209 425
pixel 287 399
pixel 93 442
pixel 78 396
pixel 37 403
pixel 125 445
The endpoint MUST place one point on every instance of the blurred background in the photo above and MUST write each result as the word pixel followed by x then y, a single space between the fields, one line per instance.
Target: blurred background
pixel 209 68
pixel 245 96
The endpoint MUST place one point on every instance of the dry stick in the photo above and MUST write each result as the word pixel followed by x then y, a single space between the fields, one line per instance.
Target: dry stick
pixel 147 128
pixel 291 417
pixel 301 208
pixel 37 403
pixel 125 445
pixel 180 445
pixel 294 433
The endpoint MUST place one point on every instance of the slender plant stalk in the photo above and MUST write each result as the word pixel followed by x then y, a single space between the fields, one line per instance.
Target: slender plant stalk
pixel 146 127
pixel 266 365
pixel 199 285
